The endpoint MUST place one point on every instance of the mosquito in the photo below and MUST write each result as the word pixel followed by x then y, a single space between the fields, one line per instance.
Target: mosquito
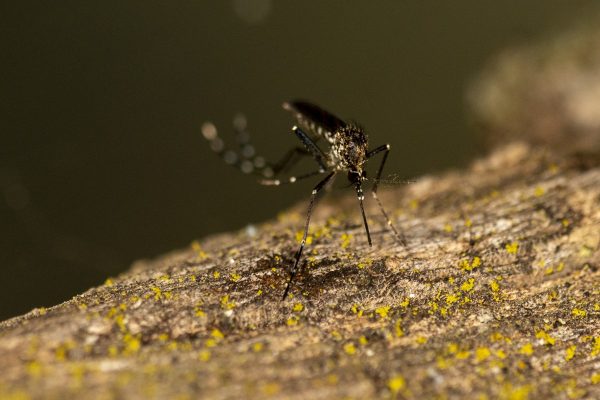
pixel 347 152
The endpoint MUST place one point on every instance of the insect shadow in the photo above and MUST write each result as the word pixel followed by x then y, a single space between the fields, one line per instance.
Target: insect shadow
pixel 347 152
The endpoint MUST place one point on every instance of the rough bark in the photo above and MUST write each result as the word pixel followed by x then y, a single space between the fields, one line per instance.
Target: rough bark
pixel 496 294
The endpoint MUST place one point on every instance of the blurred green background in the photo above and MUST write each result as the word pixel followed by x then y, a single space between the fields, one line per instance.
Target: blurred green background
pixel 102 161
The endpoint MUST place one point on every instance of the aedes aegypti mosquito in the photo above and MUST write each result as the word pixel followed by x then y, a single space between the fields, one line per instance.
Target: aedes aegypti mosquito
pixel 347 151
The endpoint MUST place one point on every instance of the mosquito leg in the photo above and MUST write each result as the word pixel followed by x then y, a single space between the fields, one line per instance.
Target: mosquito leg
pixel 313 195
pixel 291 179
pixel 311 146
pixel 385 148
pixel 290 158
pixel 360 195
pixel 243 159
pixel 246 160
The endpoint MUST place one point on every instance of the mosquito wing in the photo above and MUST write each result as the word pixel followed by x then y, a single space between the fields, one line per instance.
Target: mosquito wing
pixel 319 122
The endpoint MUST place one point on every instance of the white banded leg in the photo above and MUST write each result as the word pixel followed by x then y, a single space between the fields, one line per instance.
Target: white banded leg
pixel 386 149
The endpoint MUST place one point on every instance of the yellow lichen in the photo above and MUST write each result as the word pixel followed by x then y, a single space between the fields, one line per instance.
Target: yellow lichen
pixel 112 312
pixel 157 292
pixel 270 388
pixel 396 384
pixel 350 348
pixel 204 355
pixel 227 304
pixel 200 254
pixel 257 347
pixel 108 282
pixel 383 311
pixel 577 312
pixel 570 352
pixel 298 307
pixel 442 363
pixel 398 331
pixel 549 340
pixel 120 321
pixel 198 312
pixel 510 392
pixel 300 235
pixel 363 340
pixel 433 307
pixel 421 339
pixel 367 262
pixel 132 344
pixel 495 288
pixel 467 265
pixel 596 348
pixel 539 191
pixel 496 336
pixel 595 378
pixel 332 379
pixel 512 248
pixel 413 204
pixel 452 348
pixel 113 351
pixel 482 354
pixel 356 310
pixel 526 349
pixel 235 277
pixel 34 369
pixel 172 346
pixel 468 285
pixel 452 298
pixel 346 238
pixel 216 274
pixel 292 321
pixel 217 334
pixel 163 337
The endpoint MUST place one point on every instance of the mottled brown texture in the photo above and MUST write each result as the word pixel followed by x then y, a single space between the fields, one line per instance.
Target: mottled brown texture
pixel 429 318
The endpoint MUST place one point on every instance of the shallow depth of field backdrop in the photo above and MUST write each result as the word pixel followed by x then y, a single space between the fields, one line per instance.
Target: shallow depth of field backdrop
pixel 101 157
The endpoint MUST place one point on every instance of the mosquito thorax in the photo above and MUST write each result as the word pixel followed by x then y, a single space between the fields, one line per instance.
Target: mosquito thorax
pixel 349 148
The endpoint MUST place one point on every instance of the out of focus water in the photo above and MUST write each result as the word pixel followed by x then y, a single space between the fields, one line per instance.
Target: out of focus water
pixel 102 161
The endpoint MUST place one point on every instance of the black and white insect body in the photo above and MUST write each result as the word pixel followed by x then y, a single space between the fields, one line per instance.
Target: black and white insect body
pixel 347 152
